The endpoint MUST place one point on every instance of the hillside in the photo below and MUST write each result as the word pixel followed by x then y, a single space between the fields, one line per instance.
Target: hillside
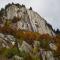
pixel 25 35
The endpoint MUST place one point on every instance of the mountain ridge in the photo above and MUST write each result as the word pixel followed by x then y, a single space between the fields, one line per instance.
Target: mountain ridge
pixel 26 19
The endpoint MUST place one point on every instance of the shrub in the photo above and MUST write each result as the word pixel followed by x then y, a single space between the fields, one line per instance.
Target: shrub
pixel 9 53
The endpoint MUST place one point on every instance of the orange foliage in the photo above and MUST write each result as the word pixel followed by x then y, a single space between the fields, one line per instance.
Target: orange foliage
pixel 19 34
pixel 58 42
pixel 45 37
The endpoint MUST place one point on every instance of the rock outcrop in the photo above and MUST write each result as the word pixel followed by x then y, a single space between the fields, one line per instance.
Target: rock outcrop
pixel 28 19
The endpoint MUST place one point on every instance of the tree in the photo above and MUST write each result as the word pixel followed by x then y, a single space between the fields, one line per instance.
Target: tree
pixel 18 5
pixel 30 8
pixel 7 6
pixel 12 3
pixel 57 31
pixel 2 12
pixel 23 5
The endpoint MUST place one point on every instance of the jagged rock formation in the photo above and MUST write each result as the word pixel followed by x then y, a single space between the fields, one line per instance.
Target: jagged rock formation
pixel 28 19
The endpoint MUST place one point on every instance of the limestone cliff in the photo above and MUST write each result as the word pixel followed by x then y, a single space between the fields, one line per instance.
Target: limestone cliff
pixel 28 19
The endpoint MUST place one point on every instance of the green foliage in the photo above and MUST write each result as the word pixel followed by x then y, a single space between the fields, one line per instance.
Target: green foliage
pixel 7 23
pixel 44 44
pixel 36 57
pixel 25 55
pixel 9 53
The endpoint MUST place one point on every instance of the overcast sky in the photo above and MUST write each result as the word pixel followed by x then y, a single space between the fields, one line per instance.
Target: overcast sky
pixel 48 9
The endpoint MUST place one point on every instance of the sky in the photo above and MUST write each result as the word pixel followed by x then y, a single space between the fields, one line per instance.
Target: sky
pixel 48 9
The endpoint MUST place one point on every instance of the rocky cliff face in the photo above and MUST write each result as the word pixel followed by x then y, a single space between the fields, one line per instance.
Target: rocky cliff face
pixel 28 19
